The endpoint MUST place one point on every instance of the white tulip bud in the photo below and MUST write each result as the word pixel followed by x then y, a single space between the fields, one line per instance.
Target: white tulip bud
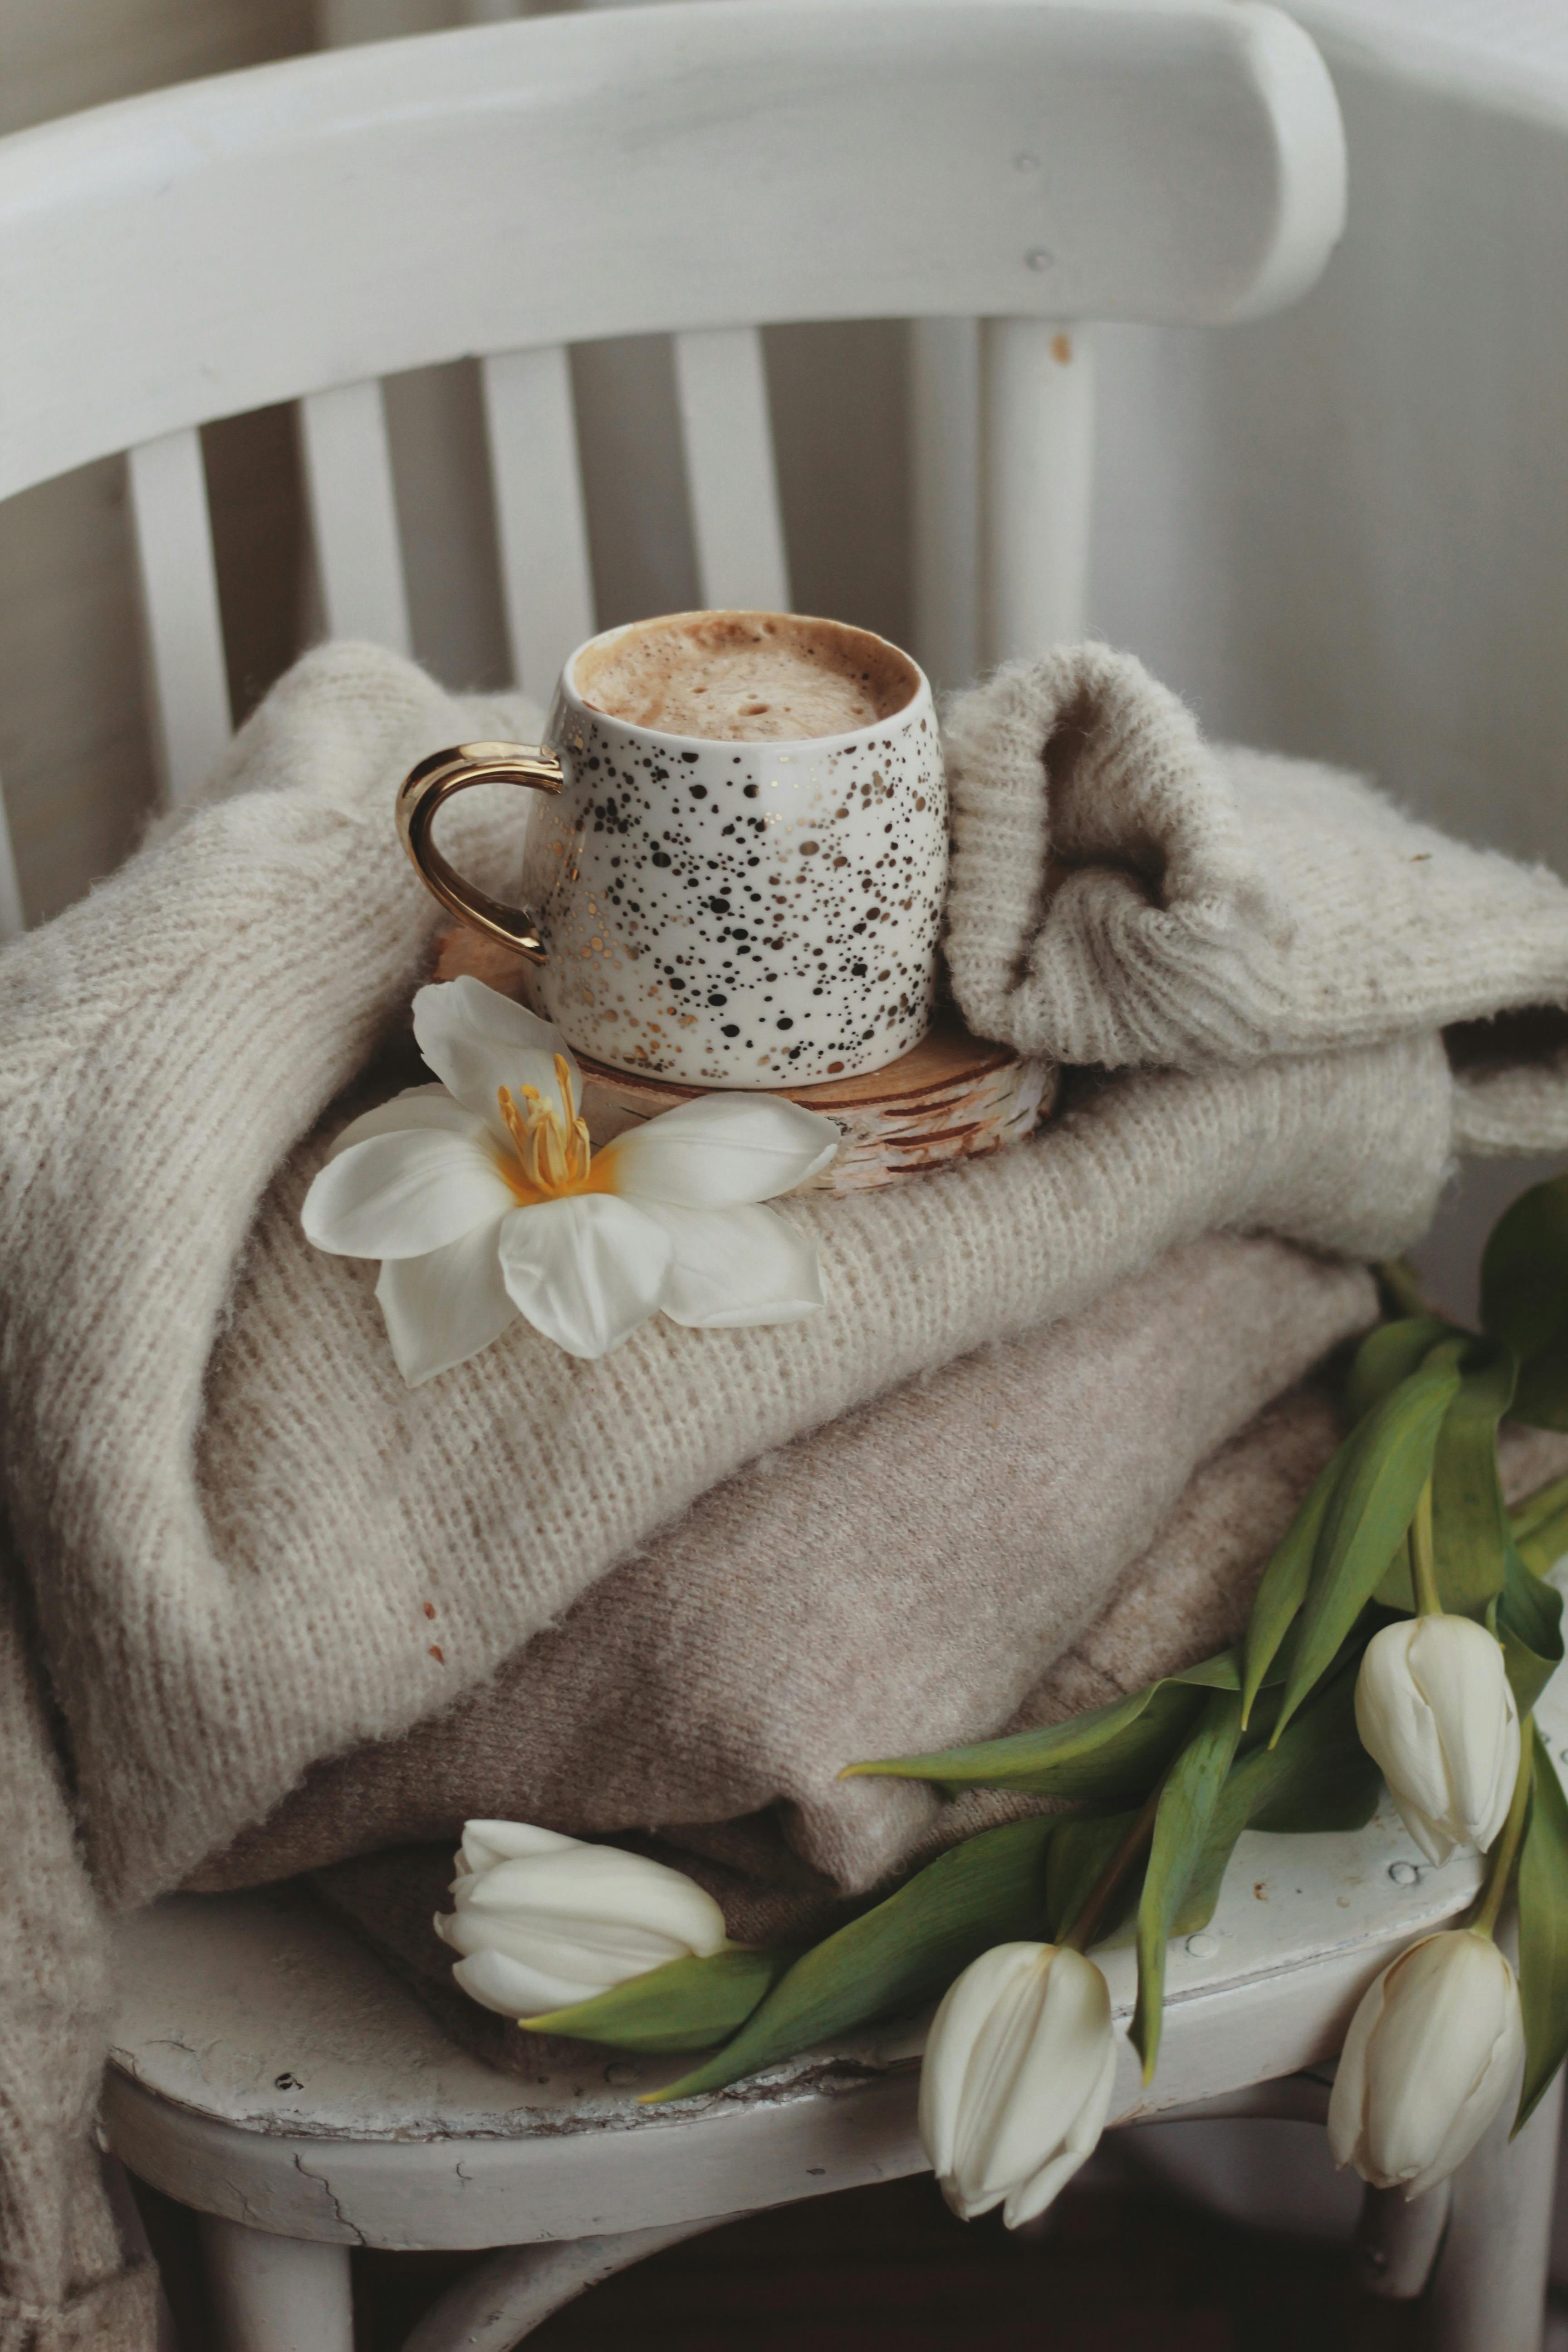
pixel 544 1921
pixel 1016 2079
pixel 1429 2059
pixel 1434 1708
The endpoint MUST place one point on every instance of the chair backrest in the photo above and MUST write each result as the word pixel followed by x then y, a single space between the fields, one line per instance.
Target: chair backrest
pixel 297 231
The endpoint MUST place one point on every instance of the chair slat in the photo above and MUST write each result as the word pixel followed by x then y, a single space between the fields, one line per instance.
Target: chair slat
pixel 541 526
pixel 187 681
pixel 1037 424
pixel 354 514
pixel 944 433
pixel 11 920
pixel 735 519
pixel 790 159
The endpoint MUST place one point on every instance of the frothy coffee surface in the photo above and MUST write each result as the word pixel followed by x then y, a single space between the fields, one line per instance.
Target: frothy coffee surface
pixel 746 678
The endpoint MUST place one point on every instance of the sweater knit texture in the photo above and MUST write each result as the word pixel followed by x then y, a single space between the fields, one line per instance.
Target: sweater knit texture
pixel 230 1517
pixel 1125 894
pixel 987 1512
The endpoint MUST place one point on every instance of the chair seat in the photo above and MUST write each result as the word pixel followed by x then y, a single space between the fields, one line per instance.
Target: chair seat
pixel 266 2068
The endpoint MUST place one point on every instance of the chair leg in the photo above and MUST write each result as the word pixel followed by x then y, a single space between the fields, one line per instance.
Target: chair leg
pixel 1488 2292
pixel 492 2308
pixel 1397 2244
pixel 277 2294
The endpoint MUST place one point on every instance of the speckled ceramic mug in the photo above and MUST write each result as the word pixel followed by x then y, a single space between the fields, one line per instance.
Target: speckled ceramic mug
pixel 724 914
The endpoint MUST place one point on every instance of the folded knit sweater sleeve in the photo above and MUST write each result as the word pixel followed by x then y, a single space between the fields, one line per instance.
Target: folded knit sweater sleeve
pixel 1123 893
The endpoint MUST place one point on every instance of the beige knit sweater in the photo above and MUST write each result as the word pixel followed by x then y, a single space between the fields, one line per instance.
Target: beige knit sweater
pixel 1121 893
pixel 899 1581
pixel 231 1516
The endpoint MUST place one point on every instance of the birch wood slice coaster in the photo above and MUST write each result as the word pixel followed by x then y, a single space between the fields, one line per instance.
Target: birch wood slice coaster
pixel 951 1097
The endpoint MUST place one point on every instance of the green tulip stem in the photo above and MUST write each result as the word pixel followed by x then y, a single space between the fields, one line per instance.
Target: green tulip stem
pixel 1400 1282
pixel 1505 1850
pixel 1423 1571
pixel 1080 1934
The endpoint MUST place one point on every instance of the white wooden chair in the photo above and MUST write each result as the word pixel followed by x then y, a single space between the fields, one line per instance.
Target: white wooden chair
pixel 1003 172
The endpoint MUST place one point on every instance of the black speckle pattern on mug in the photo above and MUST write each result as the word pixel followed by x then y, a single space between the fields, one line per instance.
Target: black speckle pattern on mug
pixel 754 915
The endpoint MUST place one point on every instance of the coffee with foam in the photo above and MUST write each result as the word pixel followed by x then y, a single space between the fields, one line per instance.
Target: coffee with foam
pixel 746 678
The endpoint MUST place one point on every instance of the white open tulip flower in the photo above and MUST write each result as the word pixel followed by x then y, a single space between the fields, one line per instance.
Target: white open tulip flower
pixel 1430 2057
pixel 484 1199
pixel 1434 1709
pixel 1016 2078
pixel 543 1921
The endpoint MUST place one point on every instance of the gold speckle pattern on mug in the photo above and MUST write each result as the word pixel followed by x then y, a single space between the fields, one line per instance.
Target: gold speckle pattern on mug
pixel 743 915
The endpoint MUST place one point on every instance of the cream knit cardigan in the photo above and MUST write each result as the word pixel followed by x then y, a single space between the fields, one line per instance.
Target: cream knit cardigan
pixel 231 1516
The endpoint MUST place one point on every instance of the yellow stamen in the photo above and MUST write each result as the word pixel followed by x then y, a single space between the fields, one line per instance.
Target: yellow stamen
pixel 554 1156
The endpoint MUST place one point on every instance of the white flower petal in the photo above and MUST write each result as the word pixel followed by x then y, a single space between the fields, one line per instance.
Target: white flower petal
pixel 1451 2016
pixel 1435 1711
pixel 721 1151
pixel 1056 2065
pixel 1495 2076
pixel 1428 1834
pixel 1460 1670
pixel 485 1843
pixel 958 2200
pixel 1016 2079
pixel 543 1921
pixel 1031 2198
pixel 733 1266
pixel 1428 2060
pixel 415 1106
pixel 404 1194
pixel 950 2040
pixel 442 1308
pixel 996 2068
pixel 478 1041
pixel 563 1949
pixel 599 1891
pixel 586 1270
pixel 1394 1723
pixel 514 1990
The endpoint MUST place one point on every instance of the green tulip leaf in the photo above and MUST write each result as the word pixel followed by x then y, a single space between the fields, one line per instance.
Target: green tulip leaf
pixel 1111 1752
pixel 1388 1460
pixel 1400 1287
pixel 1101 1757
pixel 1318 1777
pixel 1331 1782
pixel 1278 1601
pixel 1222 1672
pixel 898 1956
pixel 1528 1620
pixel 1343 1794
pixel 1387 1356
pixel 1524 1275
pixel 1539 1526
pixel 1544 1933
pixel 1183 1822
pixel 1469 1528
pixel 687 2004
pixel 1542 1396
pixel 1079 1853
pixel 1396 1587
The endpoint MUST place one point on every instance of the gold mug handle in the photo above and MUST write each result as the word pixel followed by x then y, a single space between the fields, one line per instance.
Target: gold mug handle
pixel 435 780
